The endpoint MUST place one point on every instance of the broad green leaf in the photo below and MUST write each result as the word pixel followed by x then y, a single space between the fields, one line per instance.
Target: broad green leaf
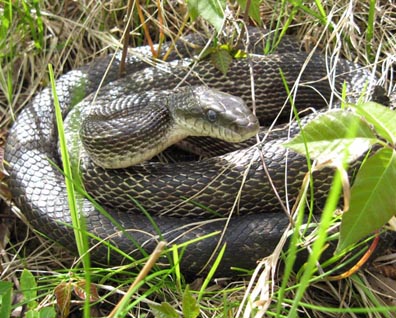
pixel 29 288
pixel 221 59
pixel 373 200
pixel 211 10
pixel 5 298
pixel 254 9
pixel 334 136
pixel 165 310
pixel 382 118
pixel 190 306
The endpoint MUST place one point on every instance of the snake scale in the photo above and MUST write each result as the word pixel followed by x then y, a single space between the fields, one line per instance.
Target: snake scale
pixel 187 200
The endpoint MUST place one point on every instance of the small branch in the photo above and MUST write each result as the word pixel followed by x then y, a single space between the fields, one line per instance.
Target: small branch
pixel 126 39
pixel 145 29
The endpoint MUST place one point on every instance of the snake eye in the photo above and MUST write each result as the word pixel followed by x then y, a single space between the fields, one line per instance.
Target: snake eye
pixel 211 115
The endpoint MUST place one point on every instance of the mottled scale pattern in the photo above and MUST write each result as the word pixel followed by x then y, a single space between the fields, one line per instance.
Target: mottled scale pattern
pixel 174 193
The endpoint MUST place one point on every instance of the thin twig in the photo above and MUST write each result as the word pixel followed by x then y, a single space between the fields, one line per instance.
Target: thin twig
pixel 126 39
pixel 145 29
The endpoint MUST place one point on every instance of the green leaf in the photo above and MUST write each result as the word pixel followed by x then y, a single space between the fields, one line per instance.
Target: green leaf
pixel 211 10
pixel 373 200
pixel 29 288
pixel 5 298
pixel 48 312
pixel 190 306
pixel 165 310
pixel 32 314
pixel 333 136
pixel 382 118
pixel 221 59
pixel 254 9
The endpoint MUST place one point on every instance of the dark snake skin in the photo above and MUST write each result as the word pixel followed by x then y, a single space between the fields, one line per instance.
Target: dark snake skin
pixel 178 195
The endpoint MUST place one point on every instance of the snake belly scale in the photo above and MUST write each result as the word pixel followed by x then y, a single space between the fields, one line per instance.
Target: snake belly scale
pixel 180 195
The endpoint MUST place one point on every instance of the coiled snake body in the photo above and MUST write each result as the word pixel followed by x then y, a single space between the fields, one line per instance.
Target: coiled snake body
pixel 180 195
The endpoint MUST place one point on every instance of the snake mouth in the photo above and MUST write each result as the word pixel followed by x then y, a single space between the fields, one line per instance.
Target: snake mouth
pixel 241 130
pixel 229 130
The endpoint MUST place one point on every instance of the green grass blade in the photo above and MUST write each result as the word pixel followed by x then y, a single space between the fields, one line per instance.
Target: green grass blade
pixel 370 29
pixel 292 250
pixel 77 222
pixel 77 219
pixel 322 11
pixel 212 271
pixel 348 311
pixel 324 225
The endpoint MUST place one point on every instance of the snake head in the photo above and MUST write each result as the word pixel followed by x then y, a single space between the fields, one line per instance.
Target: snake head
pixel 204 111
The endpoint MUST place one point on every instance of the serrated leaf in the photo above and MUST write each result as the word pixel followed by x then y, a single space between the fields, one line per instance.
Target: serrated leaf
pixel 165 310
pixel 190 306
pixel 334 136
pixel 221 59
pixel 373 200
pixel 254 9
pixel 29 288
pixel 382 118
pixel 211 10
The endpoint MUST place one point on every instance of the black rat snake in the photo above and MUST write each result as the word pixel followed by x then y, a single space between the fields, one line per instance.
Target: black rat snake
pixel 187 200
